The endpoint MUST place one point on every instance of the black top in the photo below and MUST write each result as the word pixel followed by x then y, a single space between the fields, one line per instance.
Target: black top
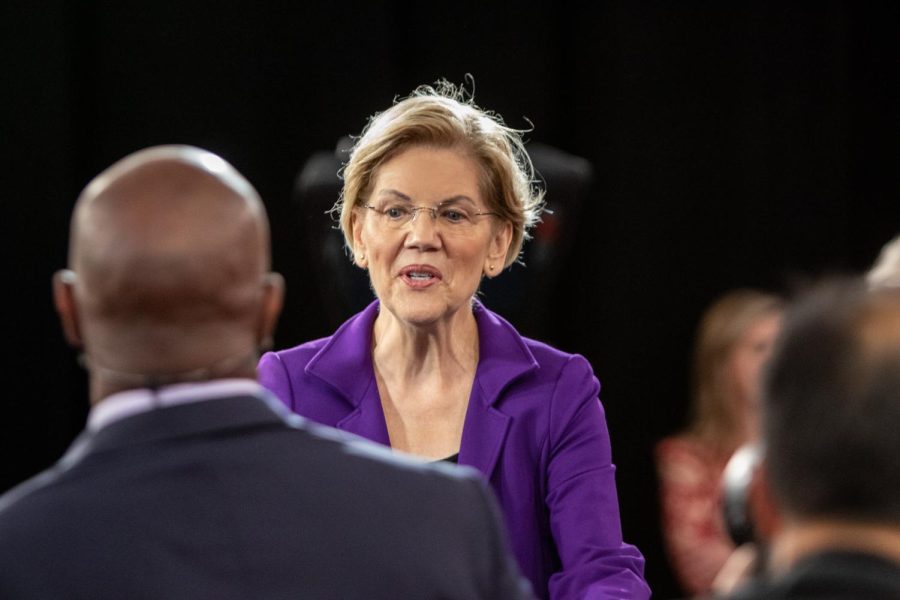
pixel 451 459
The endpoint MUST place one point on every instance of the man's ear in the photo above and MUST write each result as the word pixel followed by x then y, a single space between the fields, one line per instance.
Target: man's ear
pixel 64 282
pixel 498 248
pixel 272 302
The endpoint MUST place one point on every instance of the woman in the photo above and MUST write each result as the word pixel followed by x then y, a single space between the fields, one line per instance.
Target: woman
pixel 438 194
pixel 734 339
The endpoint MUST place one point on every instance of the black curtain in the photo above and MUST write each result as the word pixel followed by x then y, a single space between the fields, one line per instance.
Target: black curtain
pixel 734 144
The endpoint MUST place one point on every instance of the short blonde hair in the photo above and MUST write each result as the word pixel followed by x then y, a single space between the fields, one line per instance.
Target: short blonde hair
pixel 445 116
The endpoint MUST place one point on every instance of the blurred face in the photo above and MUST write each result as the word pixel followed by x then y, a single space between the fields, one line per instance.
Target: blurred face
pixel 750 354
pixel 427 264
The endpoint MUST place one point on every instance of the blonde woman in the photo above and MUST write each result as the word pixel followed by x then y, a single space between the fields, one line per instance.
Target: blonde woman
pixel 734 339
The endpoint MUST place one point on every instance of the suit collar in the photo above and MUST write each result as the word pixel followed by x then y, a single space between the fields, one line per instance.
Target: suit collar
pixel 162 424
pixel 131 402
pixel 184 420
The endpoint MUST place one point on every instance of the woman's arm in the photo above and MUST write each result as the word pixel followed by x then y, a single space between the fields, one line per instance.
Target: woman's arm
pixel 691 518
pixel 581 496
pixel 273 375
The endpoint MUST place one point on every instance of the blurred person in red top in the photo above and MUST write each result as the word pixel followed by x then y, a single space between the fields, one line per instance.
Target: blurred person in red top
pixel 733 341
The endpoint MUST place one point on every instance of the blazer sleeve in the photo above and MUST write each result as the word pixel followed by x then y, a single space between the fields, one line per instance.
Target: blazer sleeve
pixel 581 496
pixel 273 375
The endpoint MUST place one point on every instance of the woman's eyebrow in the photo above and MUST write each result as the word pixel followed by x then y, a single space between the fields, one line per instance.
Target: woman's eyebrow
pixel 451 200
pixel 457 199
pixel 393 192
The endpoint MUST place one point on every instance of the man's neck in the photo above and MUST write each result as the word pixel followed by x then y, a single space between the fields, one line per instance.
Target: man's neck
pixel 799 539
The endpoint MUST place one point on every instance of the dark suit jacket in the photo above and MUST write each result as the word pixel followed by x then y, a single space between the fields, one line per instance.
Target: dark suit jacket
pixel 229 498
pixel 830 576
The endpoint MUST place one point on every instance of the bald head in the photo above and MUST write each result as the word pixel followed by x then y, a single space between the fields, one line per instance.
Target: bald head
pixel 170 253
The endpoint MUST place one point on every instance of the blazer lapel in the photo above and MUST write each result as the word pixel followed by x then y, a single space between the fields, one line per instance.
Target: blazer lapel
pixel 367 419
pixel 484 430
pixel 346 365
pixel 503 358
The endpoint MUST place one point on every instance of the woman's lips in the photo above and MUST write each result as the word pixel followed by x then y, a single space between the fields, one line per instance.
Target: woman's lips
pixel 420 276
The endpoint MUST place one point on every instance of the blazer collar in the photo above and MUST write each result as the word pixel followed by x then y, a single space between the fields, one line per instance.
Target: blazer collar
pixel 503 357
pixel 345 363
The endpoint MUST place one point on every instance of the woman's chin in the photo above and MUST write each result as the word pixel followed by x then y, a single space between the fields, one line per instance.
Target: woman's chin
pixel 422 313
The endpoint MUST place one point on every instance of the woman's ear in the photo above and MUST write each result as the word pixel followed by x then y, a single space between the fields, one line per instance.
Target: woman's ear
pixel 359 247
pixel 498 248
pixel 66 307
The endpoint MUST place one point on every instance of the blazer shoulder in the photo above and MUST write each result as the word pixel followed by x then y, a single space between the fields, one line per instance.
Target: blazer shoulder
pixel 553 360
pixel 301 354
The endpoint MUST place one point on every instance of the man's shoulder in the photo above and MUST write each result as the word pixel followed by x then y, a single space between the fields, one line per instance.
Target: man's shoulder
pixel 370 459
pixel 830 576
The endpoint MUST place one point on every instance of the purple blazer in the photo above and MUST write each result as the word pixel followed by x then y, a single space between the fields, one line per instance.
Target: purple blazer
pixel 534 427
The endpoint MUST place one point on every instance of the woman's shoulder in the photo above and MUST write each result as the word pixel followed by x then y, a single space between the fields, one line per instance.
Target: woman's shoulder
pixel 547 356
pixel 351 335
pixel 685 449
pixel 306 349
pixel 546 353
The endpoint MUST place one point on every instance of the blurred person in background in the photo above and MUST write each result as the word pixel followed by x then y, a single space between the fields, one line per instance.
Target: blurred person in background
pixel 733 341
pixel 829 465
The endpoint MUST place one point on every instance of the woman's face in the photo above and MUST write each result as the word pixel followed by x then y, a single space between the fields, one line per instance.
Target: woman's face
pixel 750 354
pixel 427 269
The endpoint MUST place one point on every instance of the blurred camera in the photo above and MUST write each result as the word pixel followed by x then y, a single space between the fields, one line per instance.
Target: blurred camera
pixel 737 483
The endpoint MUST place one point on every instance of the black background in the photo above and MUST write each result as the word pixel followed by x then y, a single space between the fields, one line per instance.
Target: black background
pixel 733 144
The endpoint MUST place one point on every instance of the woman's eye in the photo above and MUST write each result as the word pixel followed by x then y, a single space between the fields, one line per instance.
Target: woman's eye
pixel 454 216
pixel 394 212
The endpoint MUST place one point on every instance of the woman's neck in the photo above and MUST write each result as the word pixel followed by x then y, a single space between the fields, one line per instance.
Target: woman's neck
pixel 799 539
pixel 444 348
pixel 425 376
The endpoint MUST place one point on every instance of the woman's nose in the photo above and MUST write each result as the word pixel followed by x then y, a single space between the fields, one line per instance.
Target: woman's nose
pixel 424 230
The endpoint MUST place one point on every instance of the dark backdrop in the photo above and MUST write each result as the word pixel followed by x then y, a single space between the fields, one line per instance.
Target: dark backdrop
pixel 733 144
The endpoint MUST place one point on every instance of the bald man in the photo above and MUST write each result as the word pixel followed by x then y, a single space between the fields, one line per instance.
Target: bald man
pixel 189 480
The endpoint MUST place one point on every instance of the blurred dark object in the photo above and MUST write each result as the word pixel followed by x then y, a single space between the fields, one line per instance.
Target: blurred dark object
pixel 522 294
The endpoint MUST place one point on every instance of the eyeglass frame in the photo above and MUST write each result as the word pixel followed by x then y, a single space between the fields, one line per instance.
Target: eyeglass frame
pixel 415 210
